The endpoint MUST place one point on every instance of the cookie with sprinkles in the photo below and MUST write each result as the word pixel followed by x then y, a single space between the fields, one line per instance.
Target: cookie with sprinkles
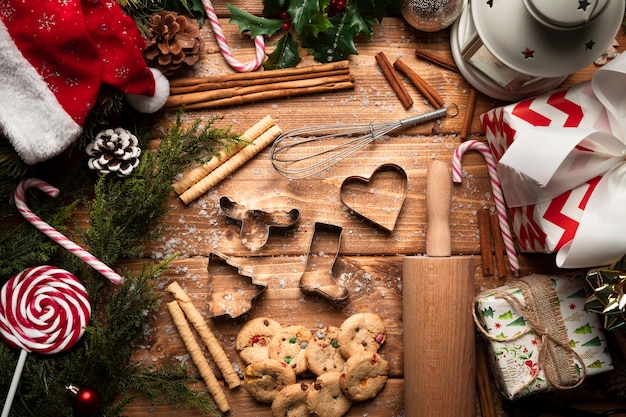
pixel 322 354
pixel 361 332
pixel 289 346
pixel 254 337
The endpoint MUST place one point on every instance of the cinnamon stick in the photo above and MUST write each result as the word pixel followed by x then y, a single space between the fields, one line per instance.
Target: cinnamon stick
pixel 483 383
pixel 421 84
pixel 394 80
pixel 216 85
pixel 206 96
pixel 498 245
pixel 484 228
pixel 436 59
pixel 198 358
pixel 469 114
pixel 270 95
pixel 278 73
pixel 203 170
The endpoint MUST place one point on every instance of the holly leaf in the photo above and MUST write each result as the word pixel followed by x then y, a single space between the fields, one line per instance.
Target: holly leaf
pixel 317 23
pixel 378 9
pixel 334 44
pixel 301 12
pixel 357 21
pixel 257 26
pixel 194 8
pixel 274 7
pixel 284 55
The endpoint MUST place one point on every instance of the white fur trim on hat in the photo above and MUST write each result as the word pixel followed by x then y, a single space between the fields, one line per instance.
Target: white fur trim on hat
pixel 31 117
pixel 145 104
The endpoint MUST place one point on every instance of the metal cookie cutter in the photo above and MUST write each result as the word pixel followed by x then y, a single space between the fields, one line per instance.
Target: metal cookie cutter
pixel 256 224
pixel 323 251
pixel 229 293
pixel 378 198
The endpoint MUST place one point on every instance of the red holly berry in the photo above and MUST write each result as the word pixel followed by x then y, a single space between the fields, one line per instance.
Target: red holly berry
pixel 286 25
pixel 284 15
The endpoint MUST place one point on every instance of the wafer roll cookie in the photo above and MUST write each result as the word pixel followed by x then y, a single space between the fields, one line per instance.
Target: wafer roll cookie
pixel 205 332
pixel 231 165
pixel 198 358
pixel 203 170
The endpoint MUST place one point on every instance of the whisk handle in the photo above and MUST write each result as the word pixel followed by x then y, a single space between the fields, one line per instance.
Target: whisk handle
pixel 448 110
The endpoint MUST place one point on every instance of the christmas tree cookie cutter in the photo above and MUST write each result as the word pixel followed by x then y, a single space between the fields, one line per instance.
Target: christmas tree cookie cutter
pixel 231 294
pixel 377 198
pixel 256 224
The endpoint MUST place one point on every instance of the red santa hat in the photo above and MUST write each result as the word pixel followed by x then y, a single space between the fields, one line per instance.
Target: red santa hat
pixel 54 55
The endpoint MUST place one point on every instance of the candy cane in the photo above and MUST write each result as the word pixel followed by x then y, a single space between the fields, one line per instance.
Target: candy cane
pixel 259 43
pixel 498 197
pixel 44 310
pixel 88 258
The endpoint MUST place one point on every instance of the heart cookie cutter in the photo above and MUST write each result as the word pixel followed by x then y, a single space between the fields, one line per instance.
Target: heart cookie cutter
pixel 378 198
pixel 256 223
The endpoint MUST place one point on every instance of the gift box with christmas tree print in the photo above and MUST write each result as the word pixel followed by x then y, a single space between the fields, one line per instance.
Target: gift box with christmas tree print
pixel 540 335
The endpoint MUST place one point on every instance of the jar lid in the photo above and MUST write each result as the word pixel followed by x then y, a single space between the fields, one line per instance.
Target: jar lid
pixel 565 14
pixel 529 45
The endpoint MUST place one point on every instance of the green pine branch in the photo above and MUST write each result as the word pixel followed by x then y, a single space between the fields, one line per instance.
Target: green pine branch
pixel 123 215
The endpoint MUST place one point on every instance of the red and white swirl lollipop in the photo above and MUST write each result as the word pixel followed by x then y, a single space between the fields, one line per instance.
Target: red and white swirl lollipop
pixel 43 310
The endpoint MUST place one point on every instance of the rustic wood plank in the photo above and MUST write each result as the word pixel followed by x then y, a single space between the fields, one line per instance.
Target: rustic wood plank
pixel 369 263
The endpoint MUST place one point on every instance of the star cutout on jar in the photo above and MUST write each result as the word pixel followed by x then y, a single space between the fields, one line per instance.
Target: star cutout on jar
pixel 582 5
pixel 490 3
pixel 528 53
pixel 589 45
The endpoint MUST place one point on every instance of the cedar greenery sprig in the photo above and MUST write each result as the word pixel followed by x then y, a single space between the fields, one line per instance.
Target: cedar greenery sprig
pixel 122 216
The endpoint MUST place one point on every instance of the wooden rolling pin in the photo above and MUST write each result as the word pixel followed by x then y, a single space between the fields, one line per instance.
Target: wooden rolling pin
pixel 438 292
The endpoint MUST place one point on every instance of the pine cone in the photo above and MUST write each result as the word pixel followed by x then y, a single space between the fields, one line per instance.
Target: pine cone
pixel 173 42
pixel 114 151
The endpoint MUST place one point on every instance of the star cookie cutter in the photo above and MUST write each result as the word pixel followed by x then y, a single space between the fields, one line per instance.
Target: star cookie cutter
pixel 256 224
pixel 378 198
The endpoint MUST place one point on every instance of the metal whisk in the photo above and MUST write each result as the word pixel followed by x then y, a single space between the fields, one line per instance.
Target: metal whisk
pixel 291 163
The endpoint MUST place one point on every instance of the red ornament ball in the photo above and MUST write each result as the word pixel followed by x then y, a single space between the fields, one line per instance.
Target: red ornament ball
pixel 85 400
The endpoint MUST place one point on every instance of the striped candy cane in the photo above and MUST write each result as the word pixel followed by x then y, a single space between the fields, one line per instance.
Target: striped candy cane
pixel 52 233
pixel 498 198
pixel 259 43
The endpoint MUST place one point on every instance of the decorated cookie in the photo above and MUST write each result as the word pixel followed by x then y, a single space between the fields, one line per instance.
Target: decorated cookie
pixel 254 337
pixel 291 401
pixel 322 354
pixel 289 345
pixel 364 375
pixel 325 397
pixel 361 332
pixel 264 379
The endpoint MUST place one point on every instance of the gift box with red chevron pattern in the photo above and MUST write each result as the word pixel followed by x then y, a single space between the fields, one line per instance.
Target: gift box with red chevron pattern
pixel 561 166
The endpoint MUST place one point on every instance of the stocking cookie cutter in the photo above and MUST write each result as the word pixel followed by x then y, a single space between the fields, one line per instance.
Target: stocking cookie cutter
pixel 318 273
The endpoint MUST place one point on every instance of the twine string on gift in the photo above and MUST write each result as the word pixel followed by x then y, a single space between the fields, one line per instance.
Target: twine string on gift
pixel 52 233
pixel 259 43
pixel 543 317
pixel 498 197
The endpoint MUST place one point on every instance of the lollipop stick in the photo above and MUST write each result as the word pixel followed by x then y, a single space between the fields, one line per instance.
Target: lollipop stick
pixel 14 382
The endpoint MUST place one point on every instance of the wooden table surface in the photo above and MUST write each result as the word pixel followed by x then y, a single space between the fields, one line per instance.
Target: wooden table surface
pixel 369 259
